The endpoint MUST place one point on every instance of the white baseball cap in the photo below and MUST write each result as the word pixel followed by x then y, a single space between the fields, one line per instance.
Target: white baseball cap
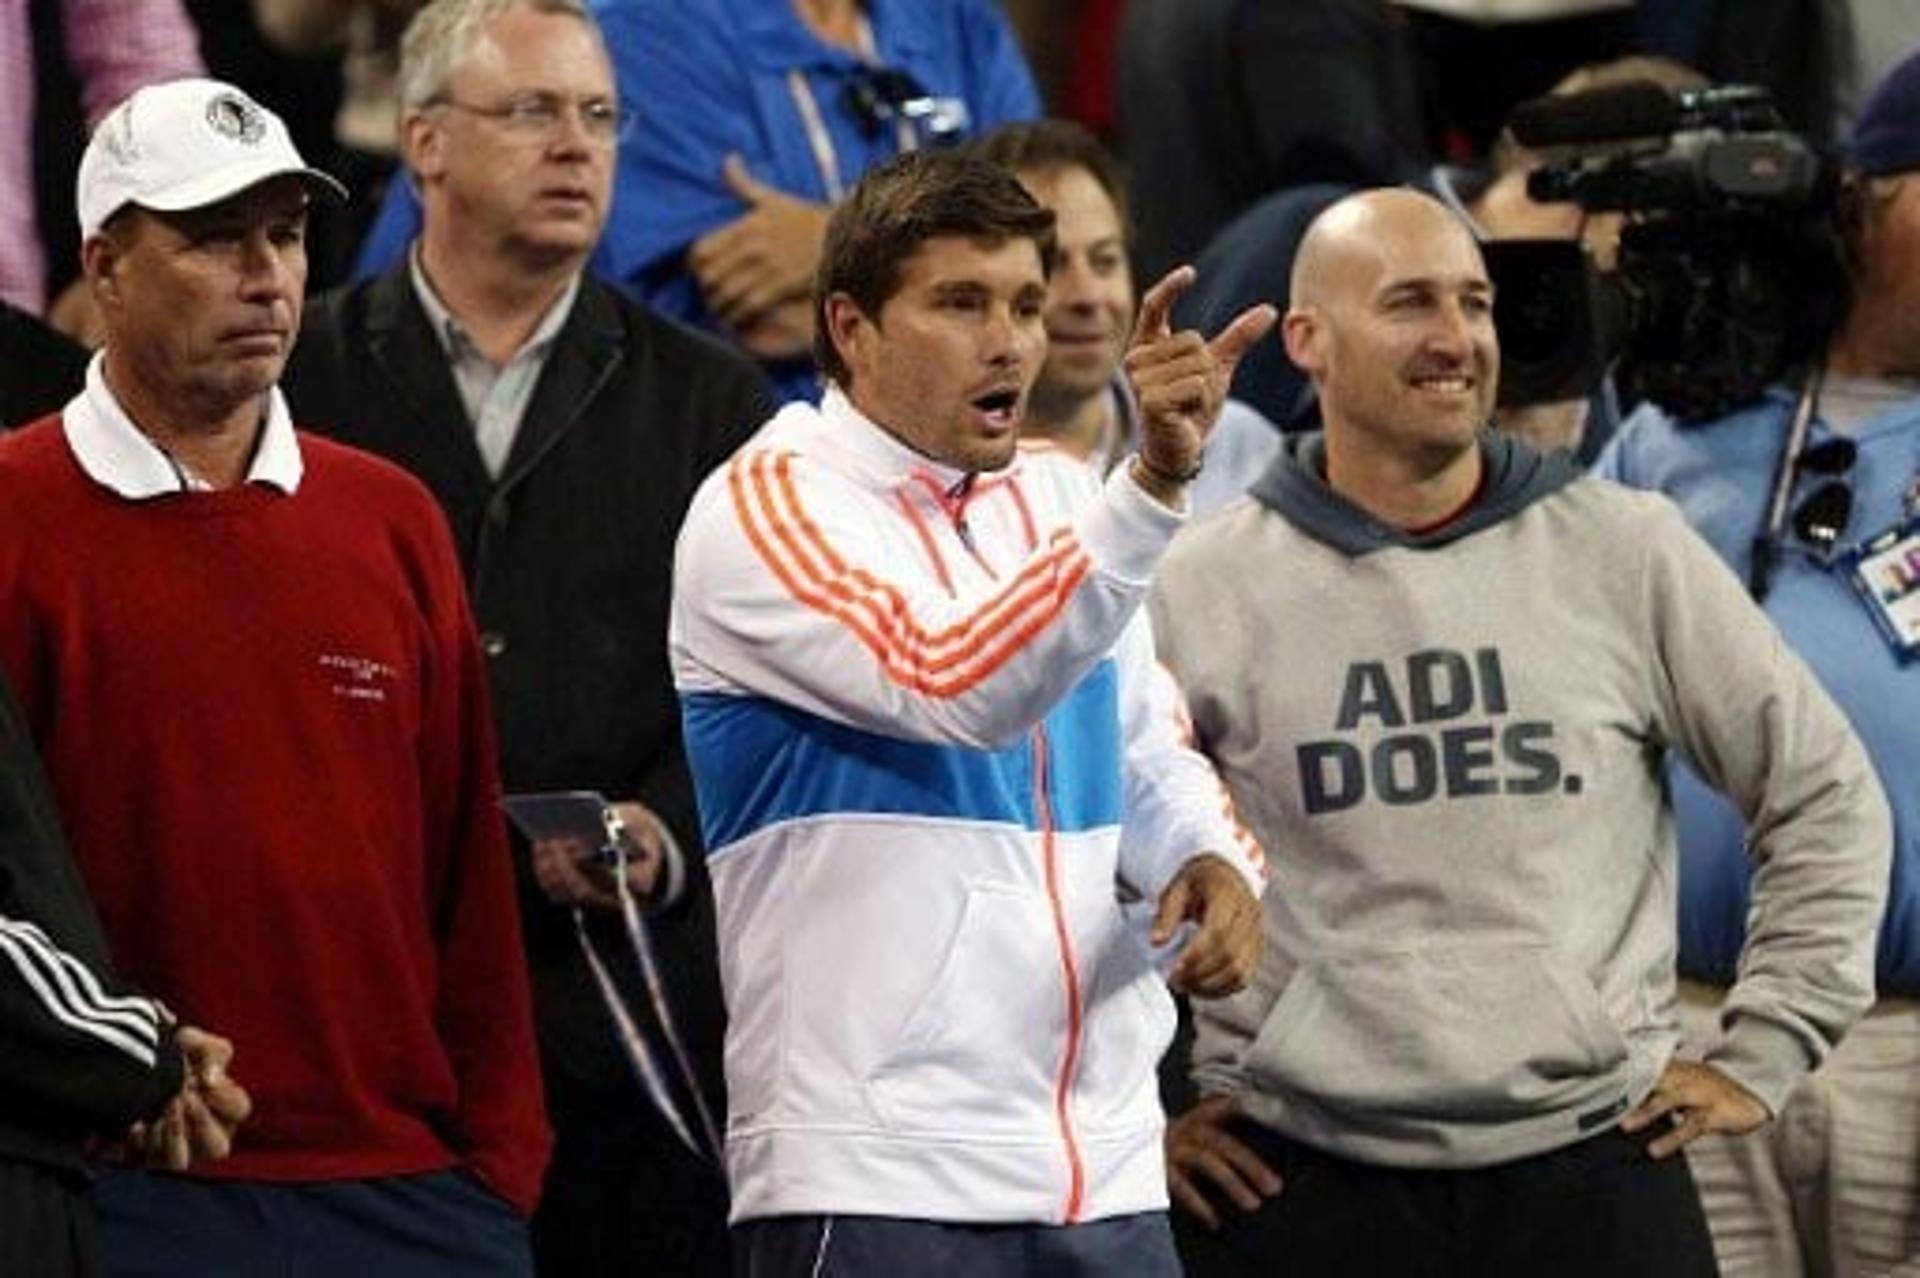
pixel 182 145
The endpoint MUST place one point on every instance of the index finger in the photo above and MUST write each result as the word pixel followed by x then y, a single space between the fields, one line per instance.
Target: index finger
pixel 1186 1194
pixel 733 171
pixel 713 250
pixel 229 1102
pixel 1156 308
pixel 207 1136
pixel 1657 1104
pixel 1248 327
pixel 1252 1168
pixel 640 825
pixel 1220 1169
pixel 1684 1133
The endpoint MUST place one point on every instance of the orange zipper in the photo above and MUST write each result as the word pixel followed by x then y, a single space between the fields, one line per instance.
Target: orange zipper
pixel 1063 1088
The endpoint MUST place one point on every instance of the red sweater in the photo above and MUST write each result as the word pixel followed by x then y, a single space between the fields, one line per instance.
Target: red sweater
pixel 265 719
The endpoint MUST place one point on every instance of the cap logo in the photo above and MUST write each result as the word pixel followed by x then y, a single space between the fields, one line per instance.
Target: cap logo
pixel 233 116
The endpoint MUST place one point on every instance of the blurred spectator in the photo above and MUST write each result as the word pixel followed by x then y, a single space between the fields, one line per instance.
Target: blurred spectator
pixel 1046 30
pixel 1817 60
pixel 1081 402
pixel 1881 33
pixel 1792 48
pixel 1476 58
pixel 1070 45
pixel 563 429
pixel 365 35
pixel 753 117
pixel 113 48
pixel 1223 102
pixel 1791 491
pixel 40 368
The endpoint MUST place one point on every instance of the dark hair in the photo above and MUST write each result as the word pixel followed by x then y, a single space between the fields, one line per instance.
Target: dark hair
pixel 1049 146
pixel 900 205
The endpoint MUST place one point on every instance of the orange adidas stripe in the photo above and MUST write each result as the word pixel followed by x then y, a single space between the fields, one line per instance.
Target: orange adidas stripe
pixel 883 624
pixel 889 610
pixel 1183 723
pixel 926 542
pixel 1013 598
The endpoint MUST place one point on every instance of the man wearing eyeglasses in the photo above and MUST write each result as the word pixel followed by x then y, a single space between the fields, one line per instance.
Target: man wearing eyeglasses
pixel 563 429
pixel 757 116
pixel 1811 495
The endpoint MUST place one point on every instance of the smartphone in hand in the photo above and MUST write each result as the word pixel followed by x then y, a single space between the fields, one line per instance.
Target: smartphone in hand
pixel 581 816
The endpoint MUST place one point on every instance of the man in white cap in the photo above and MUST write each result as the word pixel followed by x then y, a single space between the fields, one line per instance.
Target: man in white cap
pixel 245 656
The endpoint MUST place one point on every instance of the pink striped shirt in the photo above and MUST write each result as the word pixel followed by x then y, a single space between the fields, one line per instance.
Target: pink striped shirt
pixel 114 46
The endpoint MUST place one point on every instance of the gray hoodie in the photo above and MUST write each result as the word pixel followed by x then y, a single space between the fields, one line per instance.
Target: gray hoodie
pixel 1450 748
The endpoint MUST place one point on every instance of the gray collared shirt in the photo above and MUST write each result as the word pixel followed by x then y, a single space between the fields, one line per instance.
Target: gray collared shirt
pixel 495 397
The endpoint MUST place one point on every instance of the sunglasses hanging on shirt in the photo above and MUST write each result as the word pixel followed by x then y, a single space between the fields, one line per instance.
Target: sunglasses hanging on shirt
pixel 880 97
pixel 1819 519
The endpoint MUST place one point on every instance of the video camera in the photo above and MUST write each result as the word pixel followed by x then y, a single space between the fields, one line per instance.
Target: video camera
pixel 1728 271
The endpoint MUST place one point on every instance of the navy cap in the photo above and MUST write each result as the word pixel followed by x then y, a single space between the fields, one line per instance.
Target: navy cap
pixel 1886 135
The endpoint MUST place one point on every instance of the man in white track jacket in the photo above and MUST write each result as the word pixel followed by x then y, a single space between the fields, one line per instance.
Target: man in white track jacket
pixel 931 750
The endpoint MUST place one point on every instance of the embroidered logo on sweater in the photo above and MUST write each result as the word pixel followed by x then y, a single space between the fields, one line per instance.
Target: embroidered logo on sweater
pixel 1448 734
pixel 357 678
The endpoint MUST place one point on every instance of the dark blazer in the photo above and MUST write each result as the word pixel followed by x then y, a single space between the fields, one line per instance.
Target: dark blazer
pixel 569 558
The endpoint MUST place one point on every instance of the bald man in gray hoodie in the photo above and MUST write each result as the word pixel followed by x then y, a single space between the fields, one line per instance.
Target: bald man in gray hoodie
pixel 1439 673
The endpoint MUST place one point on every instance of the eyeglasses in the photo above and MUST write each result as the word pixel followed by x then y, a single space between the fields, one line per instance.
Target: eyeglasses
pixel 1821 518
pixel 878 96
pixel 538 117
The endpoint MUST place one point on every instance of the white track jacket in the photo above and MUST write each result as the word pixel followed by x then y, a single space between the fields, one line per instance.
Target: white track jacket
pixel 921 708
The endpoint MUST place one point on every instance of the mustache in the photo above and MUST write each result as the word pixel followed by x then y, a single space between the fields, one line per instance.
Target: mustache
pixel 1472 366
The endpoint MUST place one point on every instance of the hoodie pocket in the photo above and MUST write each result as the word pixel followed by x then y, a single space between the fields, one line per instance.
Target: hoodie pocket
pixel 1479 1032
pixel 976 1055
pixel 1130 1023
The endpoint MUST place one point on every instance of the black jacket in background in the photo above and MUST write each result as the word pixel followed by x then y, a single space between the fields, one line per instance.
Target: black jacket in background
pixel 76 1060
pixel 1222 102
pixel 40 369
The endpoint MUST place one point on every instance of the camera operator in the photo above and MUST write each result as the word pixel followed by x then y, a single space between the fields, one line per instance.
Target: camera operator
pixel 1812 494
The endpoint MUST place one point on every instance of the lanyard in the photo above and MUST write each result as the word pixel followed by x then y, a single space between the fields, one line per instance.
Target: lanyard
pixel 1766 546
pixel 819 140
pixel 646 1057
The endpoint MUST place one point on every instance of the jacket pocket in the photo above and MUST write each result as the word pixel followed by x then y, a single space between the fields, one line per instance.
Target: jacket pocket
pixel 977 1053
pixel 1130 1023
pixel 1469 1032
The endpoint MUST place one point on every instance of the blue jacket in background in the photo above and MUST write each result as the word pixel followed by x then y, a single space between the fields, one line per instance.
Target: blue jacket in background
pixel 1721 474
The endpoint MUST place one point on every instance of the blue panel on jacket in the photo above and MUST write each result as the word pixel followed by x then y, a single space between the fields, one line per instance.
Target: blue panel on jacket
pixel 757 762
